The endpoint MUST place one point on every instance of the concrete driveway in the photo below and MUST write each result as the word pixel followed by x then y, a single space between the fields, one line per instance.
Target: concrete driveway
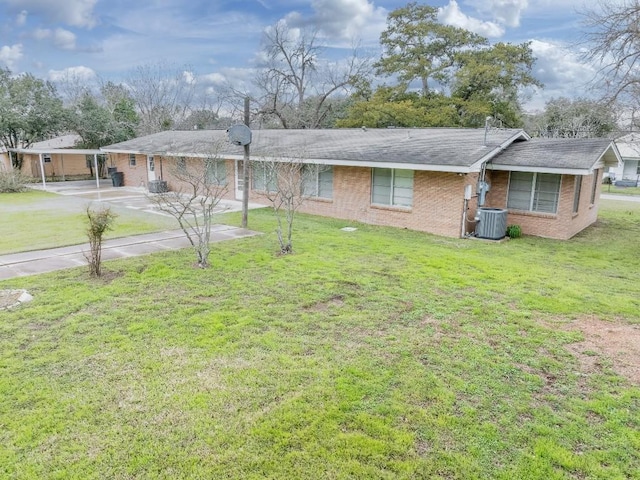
pixel 135 198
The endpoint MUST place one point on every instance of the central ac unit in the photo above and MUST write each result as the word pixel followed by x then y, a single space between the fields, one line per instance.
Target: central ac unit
pixel 491 223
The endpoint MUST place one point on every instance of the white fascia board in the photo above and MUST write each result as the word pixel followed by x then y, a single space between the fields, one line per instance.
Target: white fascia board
pixel 48 151
pixel 355 163
pixel 562 171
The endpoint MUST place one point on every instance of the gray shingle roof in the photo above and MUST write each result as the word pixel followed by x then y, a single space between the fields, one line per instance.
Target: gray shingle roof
pixel 557 153
pixel 445 147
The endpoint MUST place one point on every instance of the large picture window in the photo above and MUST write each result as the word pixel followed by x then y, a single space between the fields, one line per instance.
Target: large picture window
pixel 392 187
pixel 534 192
pixel 317 181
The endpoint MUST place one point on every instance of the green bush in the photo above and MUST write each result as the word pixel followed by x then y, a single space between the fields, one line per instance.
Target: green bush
pixel 514 231
pixel 12 182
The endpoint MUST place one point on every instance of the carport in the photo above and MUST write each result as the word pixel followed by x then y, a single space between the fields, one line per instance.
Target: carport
pixel 48 152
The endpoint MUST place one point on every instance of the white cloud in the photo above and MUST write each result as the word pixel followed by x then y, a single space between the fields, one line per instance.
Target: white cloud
pixel 503 12
pixel 64 39
pixel 452 15
pixel 78 13
pixel 215 78
pixel 188 77
pixel 61 38
pixel 21 18
pixel 10 54
pixel 561 70
pixel 80 73
pixel 340 20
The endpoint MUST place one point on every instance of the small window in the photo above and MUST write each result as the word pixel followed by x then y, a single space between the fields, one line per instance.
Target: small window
pixel 46 158
pixel 576 193
pixel 317 181
pixel 392 187
pixel 263 178
pixel 216 172
pixel 181 165
pixel 594 186
pixel 638 169
pixel 132 159
pixel 151 163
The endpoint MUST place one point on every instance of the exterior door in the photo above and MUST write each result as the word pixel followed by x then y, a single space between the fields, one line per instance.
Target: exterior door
pixel 239 179
pixel 151 168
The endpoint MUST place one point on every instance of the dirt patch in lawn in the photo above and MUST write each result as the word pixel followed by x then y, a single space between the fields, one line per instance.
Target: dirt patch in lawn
pixel 617 342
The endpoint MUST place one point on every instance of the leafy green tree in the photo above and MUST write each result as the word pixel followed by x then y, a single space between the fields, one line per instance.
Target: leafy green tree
pixel 573 118
pixel 30 111
pixel 488 82
pixel 418 47
pixel 98 125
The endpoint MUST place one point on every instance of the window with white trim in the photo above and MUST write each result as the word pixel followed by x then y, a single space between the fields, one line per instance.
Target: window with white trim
pixel 390 186
pixel 216 171
pixel 534 192
pixel 594 185
pixel 132 159
pixel 638 169
pixel 317 181
pixel 263 179
pixel 576 193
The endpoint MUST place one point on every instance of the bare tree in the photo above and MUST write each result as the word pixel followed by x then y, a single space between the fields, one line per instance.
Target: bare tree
pixel 202 183
pixel 283 182
pixel 296 83
pixel 614 43
pixel 163 95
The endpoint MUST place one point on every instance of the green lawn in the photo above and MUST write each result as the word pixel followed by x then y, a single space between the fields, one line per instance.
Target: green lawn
pixel 379 353
pixel 36 220
pixel 620 190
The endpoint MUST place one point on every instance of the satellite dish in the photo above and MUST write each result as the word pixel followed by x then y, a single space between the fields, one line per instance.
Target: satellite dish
pixel 239 134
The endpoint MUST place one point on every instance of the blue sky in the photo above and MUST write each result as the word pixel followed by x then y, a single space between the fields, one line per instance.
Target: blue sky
pixel 217 41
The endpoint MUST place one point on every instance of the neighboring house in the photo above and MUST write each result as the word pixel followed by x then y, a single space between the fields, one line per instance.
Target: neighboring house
pixel 57 159
pixel 629 172
pixel 421 179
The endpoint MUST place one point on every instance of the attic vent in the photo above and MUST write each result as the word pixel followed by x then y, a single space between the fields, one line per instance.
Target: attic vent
pixel 492 223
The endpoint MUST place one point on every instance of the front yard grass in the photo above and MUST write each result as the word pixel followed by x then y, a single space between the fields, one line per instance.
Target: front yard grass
pixel 620 190
pixel 27 225
pixel 378 353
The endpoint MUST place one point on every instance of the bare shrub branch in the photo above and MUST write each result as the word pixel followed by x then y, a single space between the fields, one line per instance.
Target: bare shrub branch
pixel 201 185
pixel 100 221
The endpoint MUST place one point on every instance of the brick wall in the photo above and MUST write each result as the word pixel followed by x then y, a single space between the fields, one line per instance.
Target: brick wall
pixel 437 202
pixel 562 225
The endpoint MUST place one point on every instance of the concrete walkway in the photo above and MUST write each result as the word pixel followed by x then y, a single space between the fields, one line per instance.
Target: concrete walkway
pixel 42 261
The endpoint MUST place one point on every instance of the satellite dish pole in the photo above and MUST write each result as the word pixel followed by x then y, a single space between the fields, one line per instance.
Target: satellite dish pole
pixel 245 170
pixel 240 134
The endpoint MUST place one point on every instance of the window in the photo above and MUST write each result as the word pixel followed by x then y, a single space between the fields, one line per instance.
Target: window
pixel 638 169
pixel 181 165
pixel 47 158
pixel 317 181
pixel 576 193
pixel 534 192
pixel 263 178
pixel 151 163
pixel 392 187
pixel 594 185
pixel 216 171
pixel 132 159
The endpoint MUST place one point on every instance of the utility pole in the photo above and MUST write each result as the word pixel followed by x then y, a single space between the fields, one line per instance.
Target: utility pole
pixel 245 170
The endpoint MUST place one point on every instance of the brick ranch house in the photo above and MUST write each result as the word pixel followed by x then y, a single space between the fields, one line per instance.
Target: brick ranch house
pixel 422 179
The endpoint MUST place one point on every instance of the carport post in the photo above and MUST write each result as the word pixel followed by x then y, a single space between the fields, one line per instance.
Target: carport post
pixel 95 164
pixel 44 182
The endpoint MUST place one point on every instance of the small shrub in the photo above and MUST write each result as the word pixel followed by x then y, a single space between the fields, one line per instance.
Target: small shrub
pixel 12 182
pixel 99 222
pixel 514 231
